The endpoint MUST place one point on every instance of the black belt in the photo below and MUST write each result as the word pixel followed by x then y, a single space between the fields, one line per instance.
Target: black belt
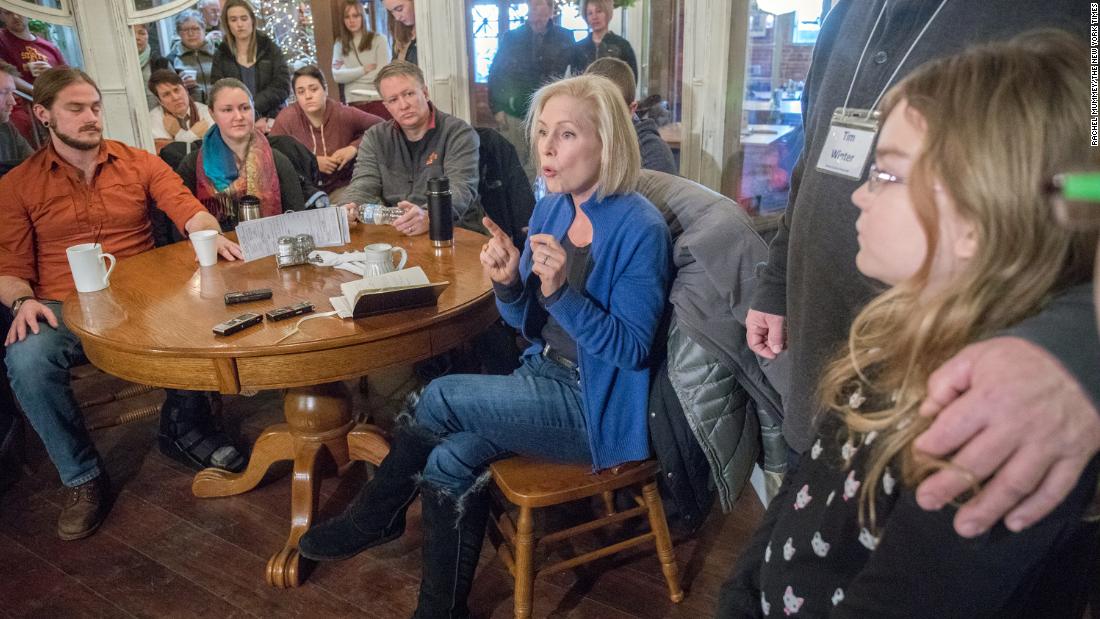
pixel 559 358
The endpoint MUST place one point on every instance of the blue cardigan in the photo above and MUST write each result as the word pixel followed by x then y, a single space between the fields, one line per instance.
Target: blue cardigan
pixel 613 321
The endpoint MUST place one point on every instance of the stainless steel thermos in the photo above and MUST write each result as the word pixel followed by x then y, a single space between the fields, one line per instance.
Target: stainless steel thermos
pixel 248 208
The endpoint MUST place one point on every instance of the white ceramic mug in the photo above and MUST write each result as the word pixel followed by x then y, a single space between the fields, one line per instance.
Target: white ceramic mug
pixel 379 258
pixel 89 271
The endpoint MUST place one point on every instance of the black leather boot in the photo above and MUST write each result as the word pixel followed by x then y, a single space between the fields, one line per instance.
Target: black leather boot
pixel 85 508
pixel 377 514
pixel 454 530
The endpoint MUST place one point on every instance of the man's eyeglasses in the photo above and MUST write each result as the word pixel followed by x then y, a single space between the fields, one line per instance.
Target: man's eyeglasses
pixel 1076 200
pixel 877 179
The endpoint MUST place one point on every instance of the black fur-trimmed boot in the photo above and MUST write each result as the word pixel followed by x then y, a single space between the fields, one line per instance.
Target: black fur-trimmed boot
pixel 454 529
pixel 377 513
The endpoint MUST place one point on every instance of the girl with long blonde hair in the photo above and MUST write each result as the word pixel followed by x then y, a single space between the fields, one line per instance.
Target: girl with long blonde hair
pixel 954 219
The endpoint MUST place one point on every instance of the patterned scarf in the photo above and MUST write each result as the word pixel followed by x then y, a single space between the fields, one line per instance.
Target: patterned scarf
pixel 218 176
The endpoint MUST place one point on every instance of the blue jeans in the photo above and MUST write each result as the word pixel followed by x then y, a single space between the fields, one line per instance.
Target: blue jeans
pixel 38 368
pixel 535 411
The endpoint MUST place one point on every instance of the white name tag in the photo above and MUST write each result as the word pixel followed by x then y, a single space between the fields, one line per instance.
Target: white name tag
pixel 849 143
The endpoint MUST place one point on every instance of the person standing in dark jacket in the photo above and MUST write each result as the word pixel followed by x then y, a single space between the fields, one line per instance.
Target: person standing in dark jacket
pixel 253 58
pixel 656 154
pixel 530 56
pixel 601 42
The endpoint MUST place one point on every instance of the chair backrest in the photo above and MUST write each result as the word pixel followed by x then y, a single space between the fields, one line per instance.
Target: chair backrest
pixel 164 231
pixel 716 251
pixel 304 161
pixel 174 153
pixel 505 193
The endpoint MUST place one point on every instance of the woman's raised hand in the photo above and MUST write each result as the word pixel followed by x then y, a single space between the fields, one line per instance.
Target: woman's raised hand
pixel 548 262
pixel 499 257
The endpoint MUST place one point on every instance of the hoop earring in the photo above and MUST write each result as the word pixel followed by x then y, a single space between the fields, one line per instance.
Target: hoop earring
pixel 46 123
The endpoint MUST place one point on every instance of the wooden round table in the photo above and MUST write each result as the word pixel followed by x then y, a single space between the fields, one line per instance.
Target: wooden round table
pixel 153 326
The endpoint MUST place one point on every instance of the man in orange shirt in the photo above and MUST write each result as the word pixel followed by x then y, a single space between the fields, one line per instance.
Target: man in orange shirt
pixel 81 188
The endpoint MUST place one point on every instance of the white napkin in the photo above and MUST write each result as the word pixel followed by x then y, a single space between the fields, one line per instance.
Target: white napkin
pixel 353 261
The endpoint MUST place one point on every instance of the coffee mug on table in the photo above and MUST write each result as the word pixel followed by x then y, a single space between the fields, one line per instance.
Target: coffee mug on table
pixel 86 262
pixel 379 258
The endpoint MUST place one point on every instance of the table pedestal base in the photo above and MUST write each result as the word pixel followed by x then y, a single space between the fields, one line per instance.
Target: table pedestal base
pixel 318 419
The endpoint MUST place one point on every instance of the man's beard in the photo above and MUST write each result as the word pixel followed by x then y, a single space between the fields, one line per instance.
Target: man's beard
pixel 76 143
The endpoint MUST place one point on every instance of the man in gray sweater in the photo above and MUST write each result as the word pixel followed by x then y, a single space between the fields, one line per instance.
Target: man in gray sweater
pixel 396 158
pixel 1018 412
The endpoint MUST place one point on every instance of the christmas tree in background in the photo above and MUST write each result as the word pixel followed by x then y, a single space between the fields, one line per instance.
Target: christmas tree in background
pixel 290 24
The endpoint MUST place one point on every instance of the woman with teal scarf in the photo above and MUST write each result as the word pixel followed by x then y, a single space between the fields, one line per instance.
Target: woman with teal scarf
pixel 236 159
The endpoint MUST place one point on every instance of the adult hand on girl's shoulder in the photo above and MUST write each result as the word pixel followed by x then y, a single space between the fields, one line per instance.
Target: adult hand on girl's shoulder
pixel 1010 413
pixel 499 257
pixel 548 262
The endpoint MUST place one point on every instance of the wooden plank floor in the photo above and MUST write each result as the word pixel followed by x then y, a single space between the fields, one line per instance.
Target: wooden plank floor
pixel 164 553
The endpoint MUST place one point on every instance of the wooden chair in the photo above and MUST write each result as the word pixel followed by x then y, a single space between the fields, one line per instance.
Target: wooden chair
pixel 529 484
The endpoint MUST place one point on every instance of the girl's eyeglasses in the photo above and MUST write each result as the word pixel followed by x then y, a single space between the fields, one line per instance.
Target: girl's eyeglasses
pixel 877 179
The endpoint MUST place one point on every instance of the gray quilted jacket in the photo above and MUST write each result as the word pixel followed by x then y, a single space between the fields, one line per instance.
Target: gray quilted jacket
pixel 732 399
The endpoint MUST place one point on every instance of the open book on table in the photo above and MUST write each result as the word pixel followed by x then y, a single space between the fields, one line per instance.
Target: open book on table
pixel 388 292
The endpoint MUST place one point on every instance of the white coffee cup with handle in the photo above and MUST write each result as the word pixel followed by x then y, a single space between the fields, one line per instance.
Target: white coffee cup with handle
pixel 379 258
pixel 89 271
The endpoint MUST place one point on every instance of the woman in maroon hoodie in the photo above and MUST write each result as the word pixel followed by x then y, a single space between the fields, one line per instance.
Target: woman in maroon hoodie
pixel 328 128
